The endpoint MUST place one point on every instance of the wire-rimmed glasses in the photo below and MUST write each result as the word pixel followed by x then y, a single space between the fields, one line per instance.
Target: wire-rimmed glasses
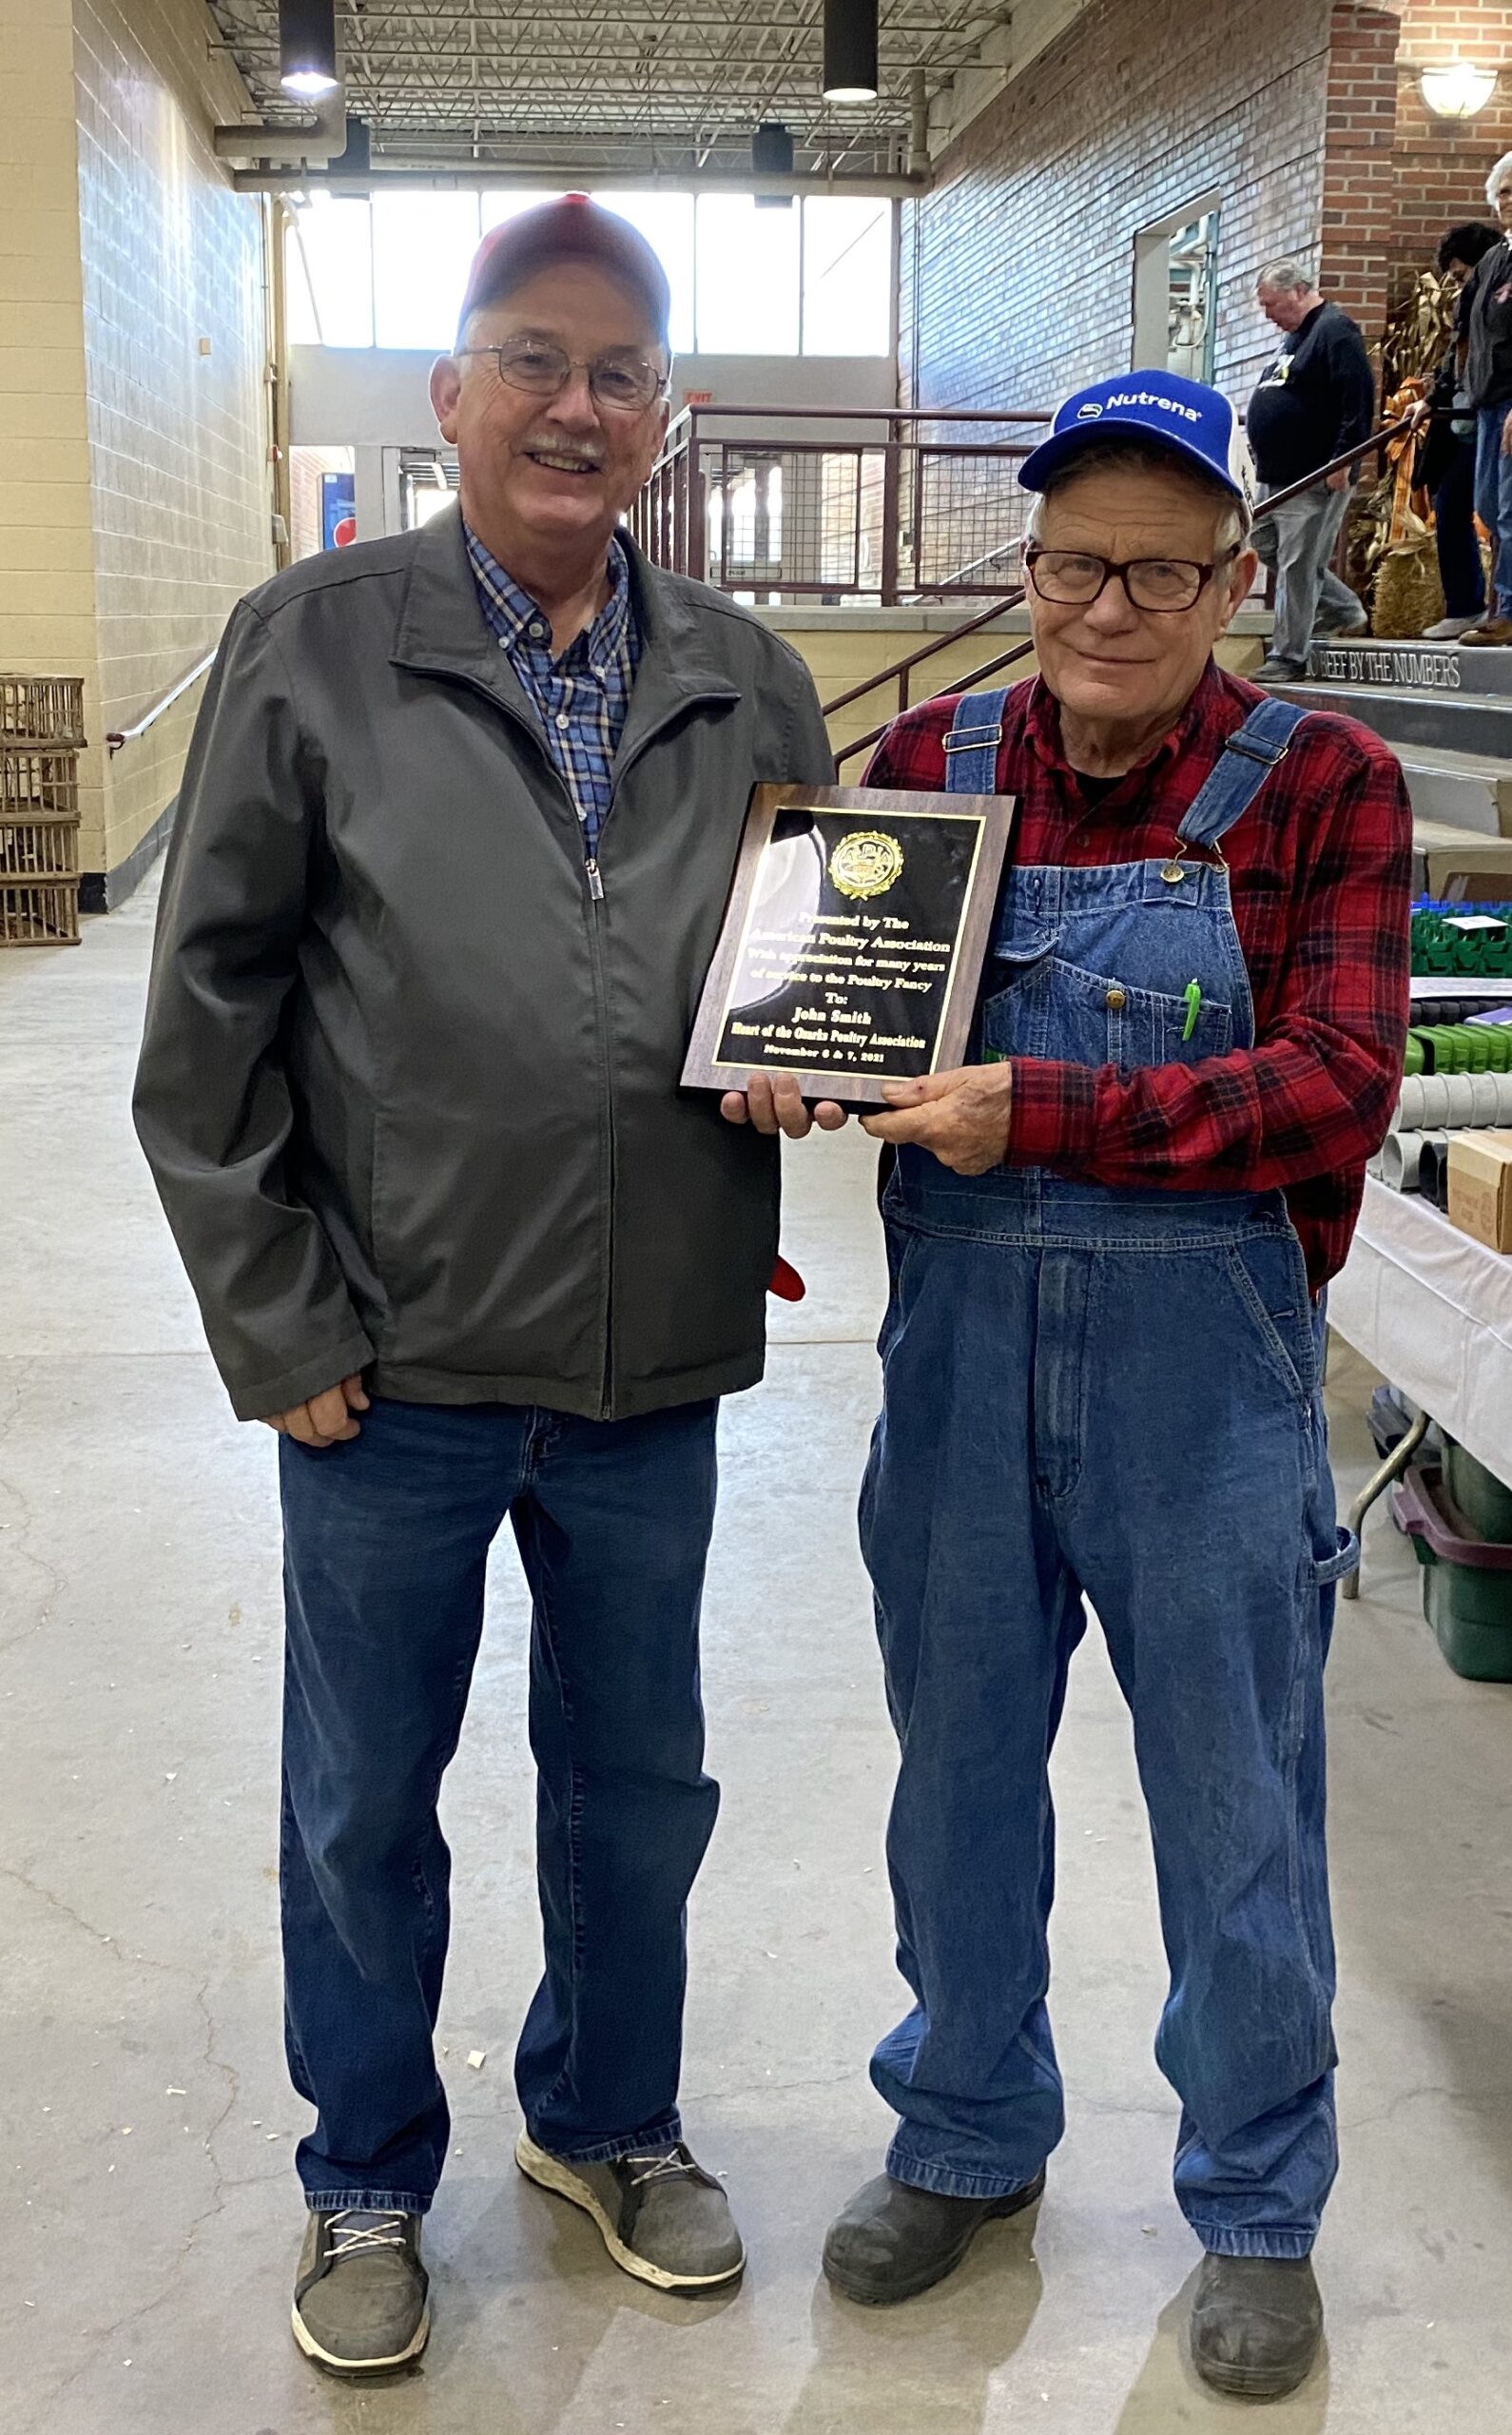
pixel 620 377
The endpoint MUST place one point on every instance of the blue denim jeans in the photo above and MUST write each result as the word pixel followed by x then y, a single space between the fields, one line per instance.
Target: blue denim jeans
pixel 1121 1402
pixel 386 1542
pixel 1493 498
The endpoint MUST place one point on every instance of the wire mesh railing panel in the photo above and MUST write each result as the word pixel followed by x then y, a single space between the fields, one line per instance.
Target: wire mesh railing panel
pixel 791 508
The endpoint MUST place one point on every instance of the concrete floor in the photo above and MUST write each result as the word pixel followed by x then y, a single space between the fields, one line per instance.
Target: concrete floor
pixel 151 2218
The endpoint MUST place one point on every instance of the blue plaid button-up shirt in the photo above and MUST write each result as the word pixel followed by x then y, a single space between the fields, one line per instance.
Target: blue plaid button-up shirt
pixel 582 698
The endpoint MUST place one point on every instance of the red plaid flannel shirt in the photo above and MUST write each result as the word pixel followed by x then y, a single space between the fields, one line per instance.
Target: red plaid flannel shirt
pixel 1320 874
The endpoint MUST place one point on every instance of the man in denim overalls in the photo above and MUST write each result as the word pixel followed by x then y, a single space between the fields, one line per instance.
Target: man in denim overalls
pixel 1108 1238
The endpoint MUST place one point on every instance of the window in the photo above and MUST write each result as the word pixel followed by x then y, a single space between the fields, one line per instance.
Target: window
pixel 747 274
pixel 391 273
pixel 331 274
pixel 847 276
pixel 422 244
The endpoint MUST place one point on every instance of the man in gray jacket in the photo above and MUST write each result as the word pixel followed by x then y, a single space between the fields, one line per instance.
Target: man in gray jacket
pixel 454 842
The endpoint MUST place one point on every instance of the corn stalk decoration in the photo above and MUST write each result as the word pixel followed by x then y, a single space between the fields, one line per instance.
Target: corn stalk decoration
pixel 1392 559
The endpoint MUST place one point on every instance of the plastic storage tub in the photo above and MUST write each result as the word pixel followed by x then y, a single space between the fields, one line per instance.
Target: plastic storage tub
pixel 1466 1579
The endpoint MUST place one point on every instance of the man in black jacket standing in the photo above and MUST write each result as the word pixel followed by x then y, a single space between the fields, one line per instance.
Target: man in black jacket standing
pixel 453 845
pixel 1316 399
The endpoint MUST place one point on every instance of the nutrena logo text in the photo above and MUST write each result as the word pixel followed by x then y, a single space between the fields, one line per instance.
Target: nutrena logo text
pixel 1138 397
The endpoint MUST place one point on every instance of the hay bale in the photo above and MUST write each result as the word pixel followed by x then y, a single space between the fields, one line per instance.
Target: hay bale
pixel 1408 597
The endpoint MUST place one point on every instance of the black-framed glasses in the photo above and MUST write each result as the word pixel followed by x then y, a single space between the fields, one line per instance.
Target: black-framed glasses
pixel 1076 578
pixel 619 377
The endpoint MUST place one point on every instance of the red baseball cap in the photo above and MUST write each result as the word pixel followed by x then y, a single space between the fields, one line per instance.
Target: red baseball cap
pixel 570 226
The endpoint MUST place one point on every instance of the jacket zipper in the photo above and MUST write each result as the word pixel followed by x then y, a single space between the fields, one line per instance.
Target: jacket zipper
pixel 595 946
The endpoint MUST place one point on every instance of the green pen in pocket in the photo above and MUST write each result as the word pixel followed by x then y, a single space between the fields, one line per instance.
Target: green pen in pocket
pixel 1193 994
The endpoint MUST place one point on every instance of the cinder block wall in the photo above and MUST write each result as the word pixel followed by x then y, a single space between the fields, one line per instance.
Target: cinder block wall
pixel 175 375
pixel 135 497
pixel 46 545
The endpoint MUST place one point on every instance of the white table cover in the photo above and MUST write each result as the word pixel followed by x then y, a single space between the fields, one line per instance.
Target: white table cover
pixel 1432 1309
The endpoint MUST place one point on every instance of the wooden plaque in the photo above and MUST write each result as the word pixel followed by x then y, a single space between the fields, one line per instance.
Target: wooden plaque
pixel 853 942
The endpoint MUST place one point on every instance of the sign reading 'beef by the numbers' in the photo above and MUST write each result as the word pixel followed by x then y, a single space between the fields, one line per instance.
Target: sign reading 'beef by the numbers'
pixel 1367 664
pixel 853 942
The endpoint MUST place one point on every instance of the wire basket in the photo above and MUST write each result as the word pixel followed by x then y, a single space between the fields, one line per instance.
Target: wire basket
pixel 42 709
pixel 35 782
pixel 39 913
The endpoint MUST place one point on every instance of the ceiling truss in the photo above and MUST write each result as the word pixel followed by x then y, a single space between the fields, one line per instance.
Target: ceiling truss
pixel 668 87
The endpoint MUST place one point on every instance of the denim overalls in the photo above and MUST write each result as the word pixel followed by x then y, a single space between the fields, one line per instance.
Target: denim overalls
pixel 1113 1393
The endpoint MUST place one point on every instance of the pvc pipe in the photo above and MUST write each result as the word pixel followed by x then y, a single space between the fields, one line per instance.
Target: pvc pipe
pixel 1402 1159
pixel 1435 1102
pixel 322 137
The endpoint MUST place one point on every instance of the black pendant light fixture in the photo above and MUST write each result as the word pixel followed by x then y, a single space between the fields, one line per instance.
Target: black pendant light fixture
pixel 850 50
pixel 307 48
pixel 771 156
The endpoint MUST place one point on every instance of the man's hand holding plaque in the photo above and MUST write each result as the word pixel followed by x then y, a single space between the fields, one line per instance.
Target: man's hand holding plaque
pixel 962 1116
pixel 850 952
pixel 774 1103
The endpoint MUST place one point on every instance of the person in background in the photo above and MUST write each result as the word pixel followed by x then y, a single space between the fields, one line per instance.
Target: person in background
pixel 1485 329
pixel 453 846
pixel 1316 400
pixel 1446 467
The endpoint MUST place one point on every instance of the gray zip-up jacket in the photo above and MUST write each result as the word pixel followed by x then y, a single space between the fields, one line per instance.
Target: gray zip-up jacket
pixel 409 1091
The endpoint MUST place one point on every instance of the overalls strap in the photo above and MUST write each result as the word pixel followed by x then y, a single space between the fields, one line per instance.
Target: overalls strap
pixel 971 748
pixel 1241 770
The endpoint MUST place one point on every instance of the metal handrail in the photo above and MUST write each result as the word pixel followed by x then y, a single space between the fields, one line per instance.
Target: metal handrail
pixel 901 668
pixel 120 735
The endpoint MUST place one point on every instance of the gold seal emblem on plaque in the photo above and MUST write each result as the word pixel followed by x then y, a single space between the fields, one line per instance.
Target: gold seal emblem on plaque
pixel 865 863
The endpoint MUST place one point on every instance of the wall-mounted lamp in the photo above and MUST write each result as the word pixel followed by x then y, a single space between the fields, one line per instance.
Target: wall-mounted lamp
pixel 1457 89
pixel 307 48
pixel 850 50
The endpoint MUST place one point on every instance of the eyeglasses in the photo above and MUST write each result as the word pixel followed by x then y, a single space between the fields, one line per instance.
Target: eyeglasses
pixel 1163 585
pixel 619 379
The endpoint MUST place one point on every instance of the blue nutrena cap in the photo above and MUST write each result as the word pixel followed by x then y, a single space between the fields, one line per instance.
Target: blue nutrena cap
pixel 1185 417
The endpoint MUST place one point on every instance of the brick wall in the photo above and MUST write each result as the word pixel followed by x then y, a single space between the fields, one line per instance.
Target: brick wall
pixel 1017 268
pixel 1309 125
pixel 1440 164
pixel 1359 170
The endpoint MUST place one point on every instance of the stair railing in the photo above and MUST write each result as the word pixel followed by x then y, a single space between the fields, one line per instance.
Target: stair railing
pixel 900 671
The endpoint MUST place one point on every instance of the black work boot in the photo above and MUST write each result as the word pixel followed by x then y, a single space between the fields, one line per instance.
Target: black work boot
pixel 893 2241
pixel 1256 2325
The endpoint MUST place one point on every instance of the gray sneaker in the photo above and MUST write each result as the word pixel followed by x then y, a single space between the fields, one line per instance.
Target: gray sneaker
pixel 361 2295
pixel 663 2218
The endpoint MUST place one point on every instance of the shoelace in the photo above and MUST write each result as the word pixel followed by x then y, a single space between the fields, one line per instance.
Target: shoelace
pixel 666 2166
pixel 351 2240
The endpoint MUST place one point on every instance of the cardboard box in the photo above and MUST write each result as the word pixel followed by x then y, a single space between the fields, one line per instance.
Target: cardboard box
pixel 1480 1186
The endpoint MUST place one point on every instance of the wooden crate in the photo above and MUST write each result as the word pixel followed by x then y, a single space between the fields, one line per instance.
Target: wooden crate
pixel 42 709
pixel 39 913
pixel 38 847
pixel 38 783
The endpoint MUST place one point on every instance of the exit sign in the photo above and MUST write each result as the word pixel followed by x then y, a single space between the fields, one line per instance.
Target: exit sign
pixel 698 397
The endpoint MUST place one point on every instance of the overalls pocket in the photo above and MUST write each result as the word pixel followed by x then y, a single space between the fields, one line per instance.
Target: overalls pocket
pixel 1015 1008
pixel 1271 1279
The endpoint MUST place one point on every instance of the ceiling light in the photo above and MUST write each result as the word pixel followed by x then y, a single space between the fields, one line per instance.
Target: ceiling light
pixel 771 156
pixel 1457 89
pixel 850 50
pixel 307 48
